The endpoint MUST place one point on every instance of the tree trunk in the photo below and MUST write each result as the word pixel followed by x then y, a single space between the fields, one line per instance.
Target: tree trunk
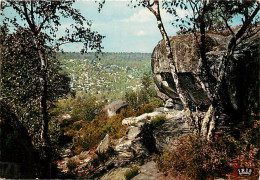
pixel 44 112
pixel 173 68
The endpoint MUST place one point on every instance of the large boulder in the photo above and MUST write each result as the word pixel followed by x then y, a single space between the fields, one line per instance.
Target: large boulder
pixel 17 154
pixel 115 107
pixel 186 57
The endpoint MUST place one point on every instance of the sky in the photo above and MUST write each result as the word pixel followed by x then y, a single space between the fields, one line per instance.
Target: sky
pixel 126 29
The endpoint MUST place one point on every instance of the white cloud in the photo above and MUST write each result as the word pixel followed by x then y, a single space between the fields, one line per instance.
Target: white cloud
pixel 140 33
pixel 143 15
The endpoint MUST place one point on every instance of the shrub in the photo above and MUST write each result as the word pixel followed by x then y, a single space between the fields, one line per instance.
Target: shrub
pixel 198 158
pixel 131 100
pixel 91 133
pixel 86 109
pixel 158 120
pixel 146 96
pixel 156 102
pixel 71 164
pixel 147 108
pixel 129 174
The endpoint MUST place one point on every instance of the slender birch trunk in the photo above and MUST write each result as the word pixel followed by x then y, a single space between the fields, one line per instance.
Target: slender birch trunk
pixel 165 37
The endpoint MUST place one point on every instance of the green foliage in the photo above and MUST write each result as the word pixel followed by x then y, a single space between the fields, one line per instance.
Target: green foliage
pixel 129 174
pixel 200 159
pixel 20 84
pixel 49 15
pixel 85 109
pixel 131 100
pixel 144 100
pixel 108 78
pixel 146 81
pixel 102 157
pixel 158 120
pixel 156 102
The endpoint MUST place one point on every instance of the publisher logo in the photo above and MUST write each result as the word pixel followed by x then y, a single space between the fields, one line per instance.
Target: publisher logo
pixel 244 171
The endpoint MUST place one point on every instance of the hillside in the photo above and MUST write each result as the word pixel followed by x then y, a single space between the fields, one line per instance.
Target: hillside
pixel 108 77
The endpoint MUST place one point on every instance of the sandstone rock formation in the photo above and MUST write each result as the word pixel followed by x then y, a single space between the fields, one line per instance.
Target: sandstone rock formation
pixel 114 107
pixel 141 140
pixel 186 56
pixel 17 155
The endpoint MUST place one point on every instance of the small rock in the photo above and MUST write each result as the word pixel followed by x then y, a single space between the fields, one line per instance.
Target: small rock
pixel 139 120
pixel 114 107
pixel 124 145
pixel 133 132
pixel 149 171
pixel 104 145
pixel 117 174
pixel 66 116
pixel 169 103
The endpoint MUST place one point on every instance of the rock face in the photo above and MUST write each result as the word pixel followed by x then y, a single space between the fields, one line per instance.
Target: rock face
pixel 168 132
pixel 143 139
pixel 186 56
pixel 17 155
pixel 118 174
pixel 150 171
pixel 114 107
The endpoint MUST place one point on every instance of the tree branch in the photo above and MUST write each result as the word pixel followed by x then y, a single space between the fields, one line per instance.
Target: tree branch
pixel 47 17
pixel 32 15
pixel 149 6
pixel 242 30
pixel 31 25
pixel 226 23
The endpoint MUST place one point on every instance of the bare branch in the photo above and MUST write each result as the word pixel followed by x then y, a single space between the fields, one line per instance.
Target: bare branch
pixel 150 3
pixel 242 30
pixel 226 23
pixel 149 6
pixel 31 25
pixel 32 15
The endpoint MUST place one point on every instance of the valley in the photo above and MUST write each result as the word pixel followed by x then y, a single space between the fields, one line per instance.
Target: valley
pixel 109 77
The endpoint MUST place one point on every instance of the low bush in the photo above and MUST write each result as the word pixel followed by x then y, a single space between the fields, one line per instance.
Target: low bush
pixel 156 102
pixel 129 174
pixel 91 133
pixel 145 99
pixel 102 157
pixel 158 120
pixel 200 159
pixel 147 108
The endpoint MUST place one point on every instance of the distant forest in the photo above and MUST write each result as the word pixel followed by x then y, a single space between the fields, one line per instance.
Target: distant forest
pixel 134 56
